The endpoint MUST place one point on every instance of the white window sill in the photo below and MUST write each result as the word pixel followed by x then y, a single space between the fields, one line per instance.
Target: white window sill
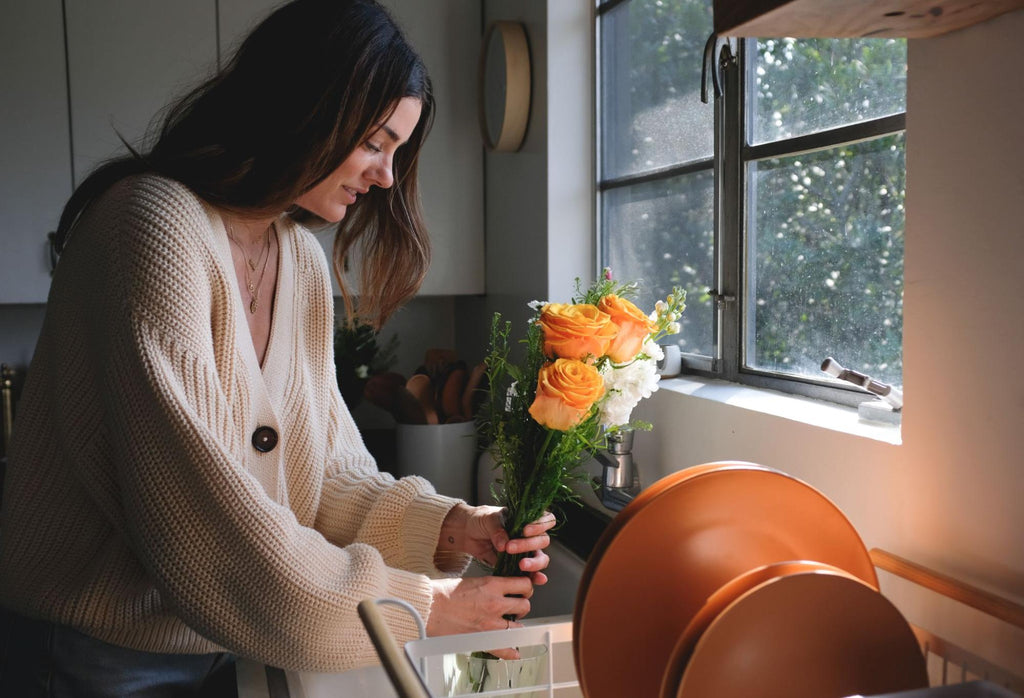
pixel 796 408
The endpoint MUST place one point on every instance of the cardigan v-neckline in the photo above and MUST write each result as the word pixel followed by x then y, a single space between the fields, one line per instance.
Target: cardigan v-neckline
pixel 272 374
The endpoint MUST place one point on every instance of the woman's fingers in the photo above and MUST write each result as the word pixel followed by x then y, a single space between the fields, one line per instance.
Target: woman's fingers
pixel 477 603
pixel 537 562
pixel 546 522
pixel 525 545
pixel 519 609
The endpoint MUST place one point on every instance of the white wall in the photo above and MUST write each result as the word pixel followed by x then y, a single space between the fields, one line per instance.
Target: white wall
pixel 539 201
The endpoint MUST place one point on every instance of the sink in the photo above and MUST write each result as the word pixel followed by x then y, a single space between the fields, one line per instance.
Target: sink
pixel 558 596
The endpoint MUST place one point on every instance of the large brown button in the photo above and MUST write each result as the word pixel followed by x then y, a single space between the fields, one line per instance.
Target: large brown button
pixel 264 439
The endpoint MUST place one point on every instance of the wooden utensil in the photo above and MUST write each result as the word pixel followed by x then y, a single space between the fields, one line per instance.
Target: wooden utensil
pixel 407 408
pixel 422 388
pixel 451 393
pixel 472 394
pixel 435 360
pixel 381 389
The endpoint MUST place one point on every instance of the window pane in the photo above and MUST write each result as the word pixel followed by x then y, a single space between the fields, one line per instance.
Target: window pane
pixel 825 250
pixel 651 113
pixel 802 86
pixel 661 234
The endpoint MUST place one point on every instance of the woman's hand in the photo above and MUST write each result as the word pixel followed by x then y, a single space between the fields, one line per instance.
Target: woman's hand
pixel 480 532
pixel 479 603
pixel 472 604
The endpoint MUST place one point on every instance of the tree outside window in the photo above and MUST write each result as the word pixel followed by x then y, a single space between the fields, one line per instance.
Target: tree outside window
pixel 808 234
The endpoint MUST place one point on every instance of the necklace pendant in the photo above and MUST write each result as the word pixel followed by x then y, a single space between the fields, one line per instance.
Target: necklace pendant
pixel 252 264
pixel 252 306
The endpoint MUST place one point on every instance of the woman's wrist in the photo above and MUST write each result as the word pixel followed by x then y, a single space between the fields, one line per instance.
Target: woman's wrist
pixel 452 539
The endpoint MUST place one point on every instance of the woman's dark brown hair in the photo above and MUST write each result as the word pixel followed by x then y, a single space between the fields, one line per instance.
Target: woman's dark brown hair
pixel 303 91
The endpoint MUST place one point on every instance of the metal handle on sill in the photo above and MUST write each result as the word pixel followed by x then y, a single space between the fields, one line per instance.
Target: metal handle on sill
pixel 721 299
pixel 889 393
pixel 404 678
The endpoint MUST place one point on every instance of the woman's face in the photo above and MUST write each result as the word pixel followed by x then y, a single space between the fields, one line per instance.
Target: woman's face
pixel 369 165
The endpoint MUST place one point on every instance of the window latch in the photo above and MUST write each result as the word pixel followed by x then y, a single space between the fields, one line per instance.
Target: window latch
pixel 721 298
pixel 718 53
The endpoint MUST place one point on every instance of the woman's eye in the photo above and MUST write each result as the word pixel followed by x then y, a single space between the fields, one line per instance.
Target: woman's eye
pixel 373 147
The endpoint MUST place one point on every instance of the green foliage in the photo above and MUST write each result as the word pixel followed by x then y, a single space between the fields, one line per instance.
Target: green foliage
pixel 359 354
pixel 538 465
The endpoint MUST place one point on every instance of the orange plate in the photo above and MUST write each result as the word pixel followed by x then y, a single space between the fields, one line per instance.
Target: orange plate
pixel 620 520
pixel 684 537
pixel 718 602
pixel 806 635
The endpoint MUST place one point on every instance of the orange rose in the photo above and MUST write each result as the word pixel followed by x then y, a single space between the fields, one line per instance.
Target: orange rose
pixel 573 331
pixel 566 390
pixel 634 327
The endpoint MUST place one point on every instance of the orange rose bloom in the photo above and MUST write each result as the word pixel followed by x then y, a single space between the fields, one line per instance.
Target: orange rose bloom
pixel 566 390
pixel 573 331
pixel 634 327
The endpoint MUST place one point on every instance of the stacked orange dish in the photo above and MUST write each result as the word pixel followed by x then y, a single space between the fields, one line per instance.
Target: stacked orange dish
pixel 733 579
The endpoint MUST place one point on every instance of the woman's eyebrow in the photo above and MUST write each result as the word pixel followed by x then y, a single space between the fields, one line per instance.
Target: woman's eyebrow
pixel 391 134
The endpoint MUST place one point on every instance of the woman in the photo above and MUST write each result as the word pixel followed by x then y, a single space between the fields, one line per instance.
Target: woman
pixel 185 483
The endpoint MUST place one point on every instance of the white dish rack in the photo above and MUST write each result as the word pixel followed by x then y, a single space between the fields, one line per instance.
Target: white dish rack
pixel 425 667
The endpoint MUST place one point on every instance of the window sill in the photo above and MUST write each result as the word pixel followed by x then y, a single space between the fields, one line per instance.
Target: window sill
pixel 818 413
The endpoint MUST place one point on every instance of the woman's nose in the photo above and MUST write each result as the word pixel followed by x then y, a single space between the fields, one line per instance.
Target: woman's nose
pixel 382 174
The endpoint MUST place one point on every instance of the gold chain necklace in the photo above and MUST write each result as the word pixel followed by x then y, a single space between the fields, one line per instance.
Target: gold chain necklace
pixel 254 288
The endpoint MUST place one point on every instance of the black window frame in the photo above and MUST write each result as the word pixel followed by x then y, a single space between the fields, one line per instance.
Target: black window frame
pixel 729 163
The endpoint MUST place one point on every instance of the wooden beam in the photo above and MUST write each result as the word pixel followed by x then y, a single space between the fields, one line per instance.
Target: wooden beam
pixel 853 18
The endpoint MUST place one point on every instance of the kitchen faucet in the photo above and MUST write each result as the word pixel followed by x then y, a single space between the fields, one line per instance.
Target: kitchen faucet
pixel 620 481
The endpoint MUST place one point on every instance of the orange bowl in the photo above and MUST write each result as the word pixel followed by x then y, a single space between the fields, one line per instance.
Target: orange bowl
pixel 666 553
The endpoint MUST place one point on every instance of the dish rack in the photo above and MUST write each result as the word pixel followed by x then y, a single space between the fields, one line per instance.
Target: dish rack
pixel 419 670
pixel 424 667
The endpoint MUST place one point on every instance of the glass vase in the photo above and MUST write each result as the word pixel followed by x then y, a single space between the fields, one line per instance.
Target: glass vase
pixel 477 672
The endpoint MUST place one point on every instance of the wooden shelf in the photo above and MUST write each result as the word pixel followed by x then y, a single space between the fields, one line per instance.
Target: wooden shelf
pixel 850 18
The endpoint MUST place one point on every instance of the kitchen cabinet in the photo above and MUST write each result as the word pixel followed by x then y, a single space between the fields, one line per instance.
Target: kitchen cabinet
pixel 78 78
pixel 842 18
pixel 446 33
pixel 126 61
pixel 35 150
pixel 72 81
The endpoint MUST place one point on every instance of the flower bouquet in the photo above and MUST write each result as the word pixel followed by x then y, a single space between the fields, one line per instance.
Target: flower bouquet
pixel 587 364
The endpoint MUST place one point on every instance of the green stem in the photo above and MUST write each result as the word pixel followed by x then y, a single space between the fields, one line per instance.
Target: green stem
pixel 508 565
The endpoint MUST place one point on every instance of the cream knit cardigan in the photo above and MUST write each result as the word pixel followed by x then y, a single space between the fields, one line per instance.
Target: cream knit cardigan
pixel 136 508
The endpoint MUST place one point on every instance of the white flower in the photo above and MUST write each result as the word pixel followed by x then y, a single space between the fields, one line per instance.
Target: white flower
pixel 363 371
pixel 654 350
pixel 627 385
pixel 536 305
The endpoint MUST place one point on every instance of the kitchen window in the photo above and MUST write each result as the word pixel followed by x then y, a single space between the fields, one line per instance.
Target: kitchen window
pixel 777 206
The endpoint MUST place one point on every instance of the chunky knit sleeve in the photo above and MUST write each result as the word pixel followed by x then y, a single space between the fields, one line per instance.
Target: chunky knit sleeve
pixel 401 518
pixel 358 504
pixel 234 564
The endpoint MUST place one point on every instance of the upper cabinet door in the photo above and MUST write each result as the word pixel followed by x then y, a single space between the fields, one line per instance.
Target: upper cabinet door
pixel 127 60
pixel 35 155
pixel 446 33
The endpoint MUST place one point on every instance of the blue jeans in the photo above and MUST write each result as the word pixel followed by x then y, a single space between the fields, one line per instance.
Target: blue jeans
pixel 39 659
